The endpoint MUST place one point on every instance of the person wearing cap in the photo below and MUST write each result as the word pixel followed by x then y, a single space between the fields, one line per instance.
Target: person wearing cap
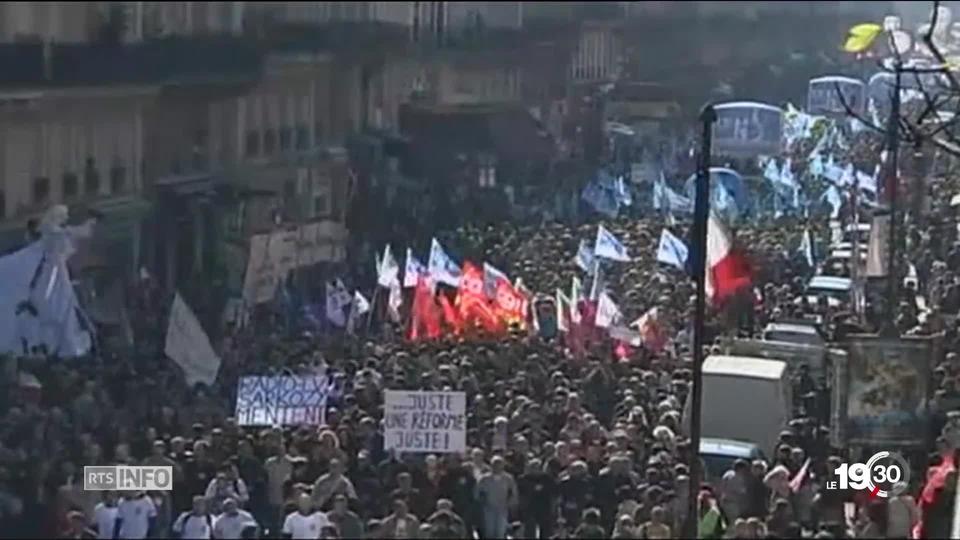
pixel 348 523
pixel 306 523
pixel 231 524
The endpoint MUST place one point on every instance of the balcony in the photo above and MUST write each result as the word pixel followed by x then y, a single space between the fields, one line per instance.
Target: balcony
pixel 168 61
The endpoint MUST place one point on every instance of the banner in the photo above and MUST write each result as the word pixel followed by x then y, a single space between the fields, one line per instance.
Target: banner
pixel 883 391
pixel 421 421
pixel 747 129
pixel 822 96
pixel 188 345
pixel 274 255
pixel 282 400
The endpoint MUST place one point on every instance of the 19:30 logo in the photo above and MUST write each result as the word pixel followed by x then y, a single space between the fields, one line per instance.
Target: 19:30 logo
pixel 886 469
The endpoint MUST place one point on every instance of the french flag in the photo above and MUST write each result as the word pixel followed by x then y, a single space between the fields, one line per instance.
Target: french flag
pixel 728 270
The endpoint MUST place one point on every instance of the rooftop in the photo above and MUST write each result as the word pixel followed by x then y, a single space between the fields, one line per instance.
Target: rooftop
pixel 744 366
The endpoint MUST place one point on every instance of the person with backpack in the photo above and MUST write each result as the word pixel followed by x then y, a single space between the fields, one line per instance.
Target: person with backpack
pixel 197 524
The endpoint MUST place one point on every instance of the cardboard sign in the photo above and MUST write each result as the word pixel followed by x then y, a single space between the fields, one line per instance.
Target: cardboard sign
pixel 282 400
pixel 421 421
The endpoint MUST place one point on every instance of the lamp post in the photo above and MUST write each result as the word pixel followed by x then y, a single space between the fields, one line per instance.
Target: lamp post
pixel 701 216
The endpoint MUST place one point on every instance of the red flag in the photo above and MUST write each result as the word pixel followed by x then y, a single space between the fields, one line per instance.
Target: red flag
pixel 510 303
pixel 474 306
pixel 936 480
pixel 451 316
pixel 425 322
pixel 652 334
pixel 728 269
pixel 797 481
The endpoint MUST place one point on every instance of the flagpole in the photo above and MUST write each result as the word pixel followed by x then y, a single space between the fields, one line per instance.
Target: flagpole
pixel 701 215
pixel 892 187
pixel 373 307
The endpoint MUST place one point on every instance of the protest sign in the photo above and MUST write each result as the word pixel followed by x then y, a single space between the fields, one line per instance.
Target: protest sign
pixel 823 98
pixel 282 400
pixel 882 391
pixel 421 421
pixel 188 345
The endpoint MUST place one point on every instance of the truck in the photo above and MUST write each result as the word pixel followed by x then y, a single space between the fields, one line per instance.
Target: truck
pixel 746 399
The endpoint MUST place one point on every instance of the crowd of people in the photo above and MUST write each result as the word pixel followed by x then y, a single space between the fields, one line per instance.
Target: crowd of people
pixel 587 446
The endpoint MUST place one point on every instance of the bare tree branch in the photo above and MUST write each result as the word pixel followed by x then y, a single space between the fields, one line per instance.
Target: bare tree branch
pixel 935 51
pixel 850 112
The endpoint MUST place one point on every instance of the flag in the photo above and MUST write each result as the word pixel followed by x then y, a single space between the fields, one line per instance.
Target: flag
pixel 188 345
pixel 394 302
pixel 816 165
pixel 441 267
pixel 652 334
pixel 786 176
pixel 491 277
pixel 359 306
pixel 412 271
pixel 834 199
pixel 797 481
pixel 771 172
pixel 609 247
pixel 624 196
pixel 510 303
pixel 337 299
pixel 563 312
pixel 866 182
pixel 424 319
pixel 585 257
pixel 598 285
pixel 608 313
pixel 474 306
pixel 728 270
pixel 806 247
pixel 450 315
pixel 604 201
pixel 575 297
pixel 660 193
pixel 877 248
pixel 861 37
pixel 389 270
pixel 672 250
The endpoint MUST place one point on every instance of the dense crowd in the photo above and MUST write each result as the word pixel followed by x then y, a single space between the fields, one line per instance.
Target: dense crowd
pixel 586 446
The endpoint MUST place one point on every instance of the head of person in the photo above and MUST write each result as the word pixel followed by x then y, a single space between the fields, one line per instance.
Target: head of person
pixel 305 504
pixel 199 504
pixel 405 481
pixel 230 506
pixel 497 464
pixel 399 507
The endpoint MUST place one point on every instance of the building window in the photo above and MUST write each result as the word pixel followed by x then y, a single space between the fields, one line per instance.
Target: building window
pixel 41 189
pixel 286 138
pixel 303 137
pixel 118 179
pixel 269 141
pixel 91 178
pixel 71 186
pixel 252 143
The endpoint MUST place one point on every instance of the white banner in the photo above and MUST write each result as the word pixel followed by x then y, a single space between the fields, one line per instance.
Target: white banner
pixel 421 421
pixel 274 255
pixel 282 400
pixel 188 345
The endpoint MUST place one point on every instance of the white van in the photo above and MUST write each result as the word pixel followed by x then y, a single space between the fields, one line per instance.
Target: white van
pixel 745 399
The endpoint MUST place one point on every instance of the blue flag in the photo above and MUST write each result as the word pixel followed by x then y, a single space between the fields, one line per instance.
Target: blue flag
pixel 490 278
pixel 609 247
pixel 672 250
pixel 585 257
pixel 603 201
pixel 441 267
pixel 624 196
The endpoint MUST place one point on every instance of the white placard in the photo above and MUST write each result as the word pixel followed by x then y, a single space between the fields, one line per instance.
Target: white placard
pixel 282 400
pixel 747 128
pixel 822 96
pixel 188 345
pixel 422 421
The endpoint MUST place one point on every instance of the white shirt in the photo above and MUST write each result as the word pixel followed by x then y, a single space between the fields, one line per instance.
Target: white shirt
pixel 193 527
pixel 105 517
pixel 303 527
pixel 227 527
pixel 135 515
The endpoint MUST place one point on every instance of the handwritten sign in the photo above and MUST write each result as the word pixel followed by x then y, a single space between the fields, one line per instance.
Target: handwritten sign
pixel 282 400
pixel 420 421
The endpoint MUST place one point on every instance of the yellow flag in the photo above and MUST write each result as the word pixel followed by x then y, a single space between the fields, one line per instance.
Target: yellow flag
pixel 861 37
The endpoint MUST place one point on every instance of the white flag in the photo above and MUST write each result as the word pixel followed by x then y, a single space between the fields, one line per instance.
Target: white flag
pixel 188 345
pixel 359 306
pixel 441 267
pixel 607 312
pixel 394 302
pixel 413 270
pixel 337 299
pixel 389 270
pixel 608 246
pixel 672 250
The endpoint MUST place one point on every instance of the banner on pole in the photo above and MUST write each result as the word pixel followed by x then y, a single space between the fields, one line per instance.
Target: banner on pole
pixel 282 400
pixel 425 421
pixel 188 345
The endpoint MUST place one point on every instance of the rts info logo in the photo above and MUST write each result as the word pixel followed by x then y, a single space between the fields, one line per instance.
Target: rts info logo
pixel 884 475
